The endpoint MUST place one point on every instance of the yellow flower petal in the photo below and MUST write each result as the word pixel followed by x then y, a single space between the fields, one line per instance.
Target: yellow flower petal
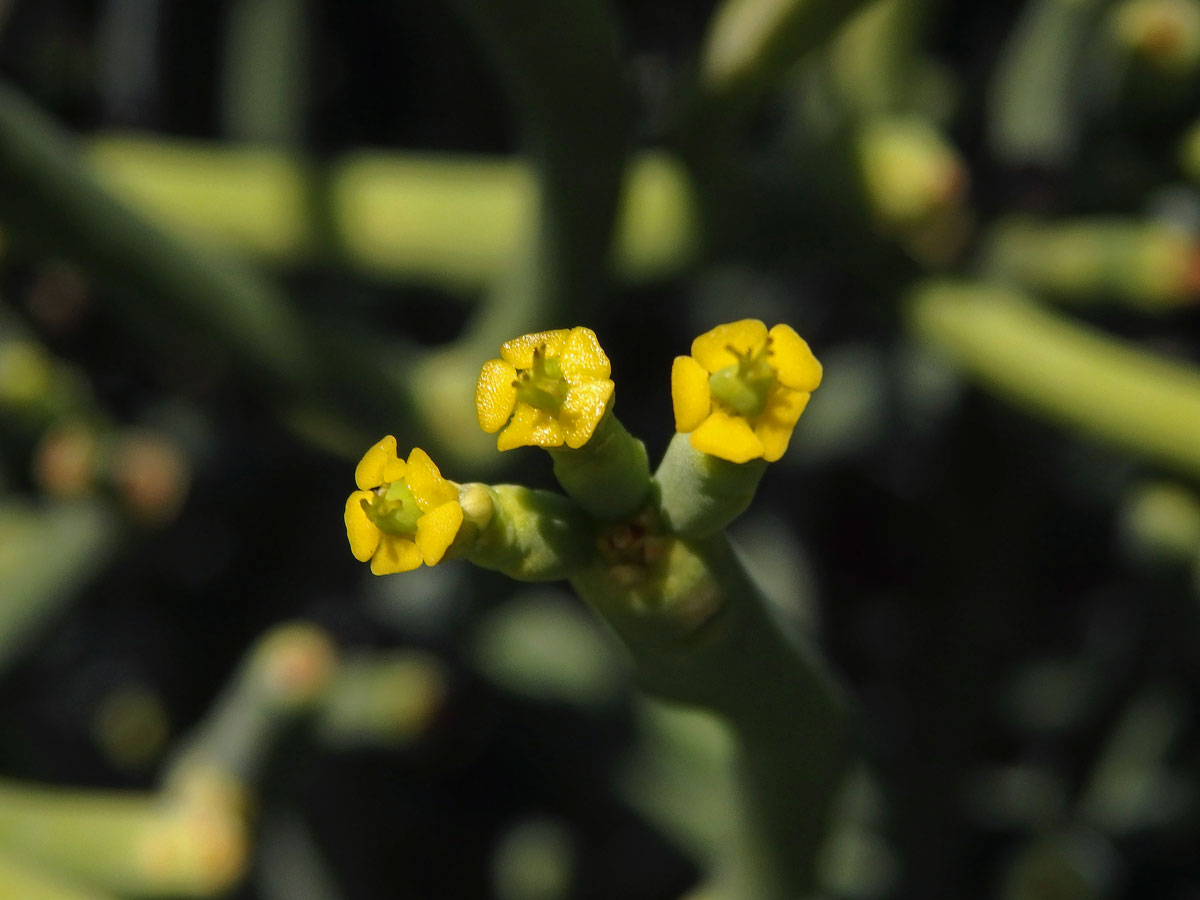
pixel 379 465
pixel 436 531
pixel 530 427
pixel 582 410
pixel 363 535
pixel 726 436
pixel 495 394
pixel 690 395
pixel 712 351
pixel 395 554
pixel 582 357
pixel 793 361
pixel 519 351
pixel 428 486
pixel 775 424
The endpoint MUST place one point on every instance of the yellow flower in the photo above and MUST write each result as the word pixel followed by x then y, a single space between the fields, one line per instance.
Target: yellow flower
pixel 547 389
pixel 403 513
pixel 740 393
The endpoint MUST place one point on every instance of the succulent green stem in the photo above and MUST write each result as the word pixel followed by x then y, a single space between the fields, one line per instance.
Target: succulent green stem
pixel 609 476
pixel 528 535
pixel 701 633
pixel 700 494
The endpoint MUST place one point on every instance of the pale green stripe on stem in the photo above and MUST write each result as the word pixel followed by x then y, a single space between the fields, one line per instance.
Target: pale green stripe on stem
pixel 1071 373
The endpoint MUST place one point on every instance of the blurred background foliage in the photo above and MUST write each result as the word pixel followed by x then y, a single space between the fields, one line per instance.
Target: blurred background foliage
pixel 242 240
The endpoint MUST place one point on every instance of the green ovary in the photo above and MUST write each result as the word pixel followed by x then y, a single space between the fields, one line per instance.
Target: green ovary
pixel 542 384
pixel 393 509
pixel 743 386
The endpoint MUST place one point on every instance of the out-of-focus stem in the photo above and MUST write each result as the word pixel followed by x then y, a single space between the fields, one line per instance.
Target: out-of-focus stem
pixel 190 839
pixel 26 882
pixel 37 388
pixel 565 79
pixel 451 221
pixel 559 60
pixel 44 553
pixel 752 43
pixel 131 844
pixel 382 699
pixel 874 57
pixel 1034 92
pixel 1147 265
pixel 48 197
pixel 1069 372
pixel 264 86
pixel 750 46
pixel 45 192
pixel 282 679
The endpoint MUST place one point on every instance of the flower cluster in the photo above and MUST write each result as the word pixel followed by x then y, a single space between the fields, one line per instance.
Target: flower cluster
pixel 737 397
pixel 547 389
pixel 403 513
pixel 742 390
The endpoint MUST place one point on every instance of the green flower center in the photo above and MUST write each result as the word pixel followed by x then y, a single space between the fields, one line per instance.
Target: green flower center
pixel 743 387
pixel 542 384
pixel 393 509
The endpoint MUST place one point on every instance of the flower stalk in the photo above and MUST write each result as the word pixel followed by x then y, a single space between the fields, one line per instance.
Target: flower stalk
pixel 700 494
pixel 609 477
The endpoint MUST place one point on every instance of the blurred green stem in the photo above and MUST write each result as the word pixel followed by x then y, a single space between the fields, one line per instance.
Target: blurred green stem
pixel 386 699
pixel 132 844
pixel 47 196
pixel 450 221
pixel 1151 266
pixel 280 683
pixel 1068 372
pixel 874 59
pixel 18 880
pixel 564 76
pixel 46 554
pixel 1035 89
pixel 263 85
pixel 751 44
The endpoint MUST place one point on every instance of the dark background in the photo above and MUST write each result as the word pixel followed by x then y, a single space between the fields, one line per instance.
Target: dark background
pixel 975 577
